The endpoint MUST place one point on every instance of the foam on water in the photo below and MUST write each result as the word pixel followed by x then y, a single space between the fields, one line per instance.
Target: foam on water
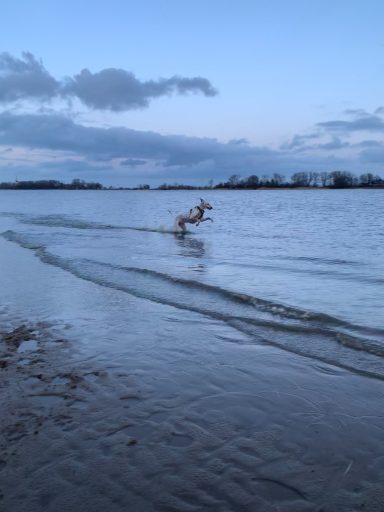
pixel 66 221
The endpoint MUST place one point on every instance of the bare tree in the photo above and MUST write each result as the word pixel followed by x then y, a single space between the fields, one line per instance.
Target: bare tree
pixel 313 179
pixel 277 179
pixel 342 179
pixel 324 178
pixel 234 180
pixel 300 179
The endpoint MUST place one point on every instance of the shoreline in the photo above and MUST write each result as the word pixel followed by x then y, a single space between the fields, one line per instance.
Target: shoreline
pixel 191 189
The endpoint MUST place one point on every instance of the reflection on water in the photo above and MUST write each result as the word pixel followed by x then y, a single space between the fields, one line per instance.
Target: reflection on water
pixel 190 247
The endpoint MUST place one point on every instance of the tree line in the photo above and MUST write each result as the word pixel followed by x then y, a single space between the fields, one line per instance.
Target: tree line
pixel 334 179
pixel 51 184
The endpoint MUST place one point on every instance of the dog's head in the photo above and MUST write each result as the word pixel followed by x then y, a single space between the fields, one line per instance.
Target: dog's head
pixel 205 205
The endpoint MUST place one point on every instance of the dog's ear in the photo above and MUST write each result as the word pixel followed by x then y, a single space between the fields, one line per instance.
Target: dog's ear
pixel 202 200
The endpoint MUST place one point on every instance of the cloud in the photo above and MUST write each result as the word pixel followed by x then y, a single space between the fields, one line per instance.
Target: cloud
pixel 118 90
pixel 59 133
pixel 120 153
pixel 300 141
pixel 109 89
pixel 298 144
pixel 369 144
pixel 363 122
pixel 25 78
pixel 372 154
pixel 335 135
pixel 238 142
pixel 132 162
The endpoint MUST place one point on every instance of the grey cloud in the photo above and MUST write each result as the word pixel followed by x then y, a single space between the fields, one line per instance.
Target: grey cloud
pixel 238 142
pixel 85 149
pixel 369 144
pixel 132 162
pixel 335 143
pixel 57 133
pixel 336 130
pixel 117 89
pixel 372 154
pixel 332 145
pixel 372 157
pixel 109 89
pixel 355 112
pixel 299 141
pixel 363 122
pixel 25 78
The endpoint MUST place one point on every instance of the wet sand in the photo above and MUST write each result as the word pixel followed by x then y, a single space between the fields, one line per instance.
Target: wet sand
pixel 237 428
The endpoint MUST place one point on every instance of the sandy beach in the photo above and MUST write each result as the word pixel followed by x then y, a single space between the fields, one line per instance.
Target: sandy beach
pixel 239 427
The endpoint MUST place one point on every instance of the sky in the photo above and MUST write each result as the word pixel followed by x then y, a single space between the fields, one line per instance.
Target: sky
pixel 164 91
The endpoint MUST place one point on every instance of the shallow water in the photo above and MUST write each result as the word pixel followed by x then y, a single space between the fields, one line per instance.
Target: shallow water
pixel 303 270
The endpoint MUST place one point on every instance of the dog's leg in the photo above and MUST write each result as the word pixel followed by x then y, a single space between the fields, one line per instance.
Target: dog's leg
pixel 206 218
pixel 180 224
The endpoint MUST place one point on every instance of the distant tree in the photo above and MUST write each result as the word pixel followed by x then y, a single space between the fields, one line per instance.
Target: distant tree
pixel 313 178
pixel 300 179
pixel 325 178
pixel 252 181
pixel 92 186
pixel 369 179
pixel 264 180
pixel 277 180
pixel 234 180
pixel 342 179
pixel 77 183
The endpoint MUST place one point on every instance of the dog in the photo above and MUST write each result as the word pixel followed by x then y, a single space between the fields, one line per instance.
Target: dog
pixel 195 216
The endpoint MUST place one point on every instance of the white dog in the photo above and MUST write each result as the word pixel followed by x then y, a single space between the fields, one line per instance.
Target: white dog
pixel 195 216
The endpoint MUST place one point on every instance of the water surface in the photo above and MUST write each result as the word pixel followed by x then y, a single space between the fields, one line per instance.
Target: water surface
pixel 303 270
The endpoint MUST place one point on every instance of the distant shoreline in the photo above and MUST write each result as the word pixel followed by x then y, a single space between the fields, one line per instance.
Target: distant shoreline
pixel 299 180
pixel 334 180
pixel 178 189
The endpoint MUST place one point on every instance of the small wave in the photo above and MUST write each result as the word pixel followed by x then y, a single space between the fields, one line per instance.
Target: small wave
pixel 64 221
pixel 23 241
pixel 161 229
pixel 326 261
pixel 266 306
pixel 308 333
pixel 60 221
pixel 341 275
